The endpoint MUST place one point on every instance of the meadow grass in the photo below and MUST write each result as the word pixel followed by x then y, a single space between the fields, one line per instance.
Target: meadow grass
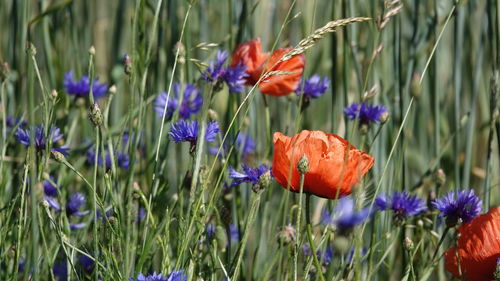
pixel 434 65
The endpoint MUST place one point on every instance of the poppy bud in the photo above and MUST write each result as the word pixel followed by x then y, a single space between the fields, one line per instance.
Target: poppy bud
pixel 408 244
pixel 212 114
pixel 95 115
pixel 303 164
pixel 92 50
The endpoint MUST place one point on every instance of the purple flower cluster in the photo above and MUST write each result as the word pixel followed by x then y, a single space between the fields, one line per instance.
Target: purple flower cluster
pixel 345 216
pixel 122 159
pixel 249 174
pixel 81 88
pixel 191 103
pixel 216 73
pixel 23 136
pixel 458 205
pixel 174 276
pixel 314 87
pixel 366 114
pixel 187 131
pixel 401 203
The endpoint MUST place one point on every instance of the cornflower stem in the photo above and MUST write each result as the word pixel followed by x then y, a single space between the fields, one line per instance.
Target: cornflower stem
pixel 439 244
pixel 299 216
pixel 310 238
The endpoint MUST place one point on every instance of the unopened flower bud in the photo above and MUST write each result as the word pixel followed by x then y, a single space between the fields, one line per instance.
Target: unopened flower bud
pixel 364 128
pixel 30 49
pixel 287 235
pixel 92 50
pixel 408 244
pixel 112 90
pixel 212 114
pixel 58 156
pixel 127 62
pixel 303 164
pixel 54 94
pixel 95 115
pixel 440 177
pixel 384 117
pixel 263 183
pixel 45 204
pixel 415 87
pixel 179 48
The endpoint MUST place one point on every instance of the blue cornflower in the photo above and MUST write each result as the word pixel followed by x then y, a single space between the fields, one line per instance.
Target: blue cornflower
pixel 76 201
pixel 458 205
pixel 345 216
pixel 326 257
pixel 366 114
pixel 192 101
pixel 141 214
pixel 234 235
pixel 60 271
pixel 401 203
pixel 187 131
pixel 82 88
pixel 210 231
pixel 86 263
pixel 249 174
pixel 49 188
pixel 122 159
pixel 23 137
pixel 12 122
pixel 216 73
pixel 174 276
pixel 314 87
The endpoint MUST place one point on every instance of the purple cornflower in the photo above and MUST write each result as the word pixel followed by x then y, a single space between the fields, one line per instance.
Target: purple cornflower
pixel 174 276
pixel 187 131
pixel 458 205
pixel 244 144
pixel 122 159
pixel 216 73
pixel 210 231
pixel 326 257
pixel 249 174
pixel 141 214
pixel 234 235
pixel 23 137
pixel 313 87
pixel 87 263
pixel 366 114
pixel 192 101
pixel 82 88
pixel 60 271
pixel 76 201
pixel 49 188
pixel 345 216
pixel 402 204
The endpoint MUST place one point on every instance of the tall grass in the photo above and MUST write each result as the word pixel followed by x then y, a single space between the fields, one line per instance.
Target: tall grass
pixel 433 64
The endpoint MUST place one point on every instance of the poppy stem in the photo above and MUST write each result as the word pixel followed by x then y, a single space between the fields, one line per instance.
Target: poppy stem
pixel 299 217
pixel 319 270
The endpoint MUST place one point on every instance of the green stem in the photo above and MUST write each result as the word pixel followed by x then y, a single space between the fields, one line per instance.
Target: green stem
pixel 319 270
pixel 439 243
pixel 297 240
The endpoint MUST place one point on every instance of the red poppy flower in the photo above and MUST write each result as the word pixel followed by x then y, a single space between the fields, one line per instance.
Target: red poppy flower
pixel 281 84
pixel 335 166
pixel 250 54
pixel 478 248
